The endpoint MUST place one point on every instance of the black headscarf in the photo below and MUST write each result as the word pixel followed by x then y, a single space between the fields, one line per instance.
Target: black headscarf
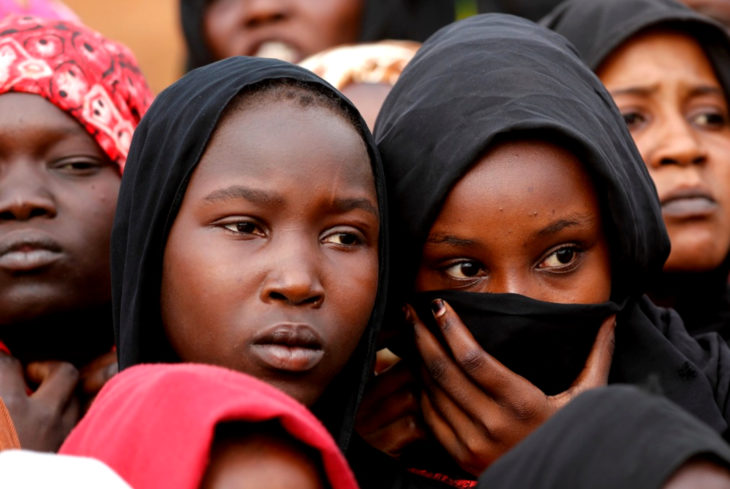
pixel 496 76
pixel 529 9
pixel 166 149
pixel 617 437
pixel 382 19
pixel 597 28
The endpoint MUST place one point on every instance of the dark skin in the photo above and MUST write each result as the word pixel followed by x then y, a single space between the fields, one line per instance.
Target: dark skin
pixel 700 473
pixel 271 266
pixel 717 9
pixel 261 460
pixel 57 200
pixel 368 98
pixel 289 30
pixel 525 220
pixel 676 111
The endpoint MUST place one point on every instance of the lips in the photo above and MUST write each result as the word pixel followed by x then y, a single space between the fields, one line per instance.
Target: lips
pixel 688 204
pixel 289 347
pixel 28 251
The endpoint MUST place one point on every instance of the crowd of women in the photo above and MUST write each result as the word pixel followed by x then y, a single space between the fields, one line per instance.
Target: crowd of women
pixel 362 244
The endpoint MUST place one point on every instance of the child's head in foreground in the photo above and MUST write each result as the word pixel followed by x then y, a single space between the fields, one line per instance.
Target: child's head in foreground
pixel 198 426
pixel 69 103
pixel 249 232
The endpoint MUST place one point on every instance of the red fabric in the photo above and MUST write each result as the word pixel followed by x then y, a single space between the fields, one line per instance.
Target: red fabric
pixel 95 80
pixel 154 424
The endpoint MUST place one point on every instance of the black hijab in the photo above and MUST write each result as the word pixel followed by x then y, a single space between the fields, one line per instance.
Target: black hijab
pixel 597 28
pixel 382 19
pixel 529 9
pixel 617 437
pixel 166 149
pixel 494 76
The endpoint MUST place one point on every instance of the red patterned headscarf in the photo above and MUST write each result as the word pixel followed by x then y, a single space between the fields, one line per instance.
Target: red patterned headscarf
pixel 95 80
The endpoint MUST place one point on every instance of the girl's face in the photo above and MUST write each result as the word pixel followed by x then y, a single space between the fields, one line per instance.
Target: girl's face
pixel 271 266
pixel 58 194
pixel 286 29
pixel 677 114
pixel 524 220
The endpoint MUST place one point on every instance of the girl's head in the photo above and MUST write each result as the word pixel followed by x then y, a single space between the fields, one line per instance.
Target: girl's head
pixel 249 233
pixel 238 432
pixel 531 186
pixel 294 29
pixel 69 102
pixel 667 72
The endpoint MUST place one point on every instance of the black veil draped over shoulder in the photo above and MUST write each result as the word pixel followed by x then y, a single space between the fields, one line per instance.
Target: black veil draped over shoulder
pixel 166 149
pixel 382 19
pixel 597 28
pixel 496 76
pixel 616 437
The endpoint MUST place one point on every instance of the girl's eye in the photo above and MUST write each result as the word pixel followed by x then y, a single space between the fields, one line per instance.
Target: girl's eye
pixel 561 259
pixel 633 119
pixel 343 239
pixel 244 227
pixel 464 270
pixel 78 167
pixel 710 120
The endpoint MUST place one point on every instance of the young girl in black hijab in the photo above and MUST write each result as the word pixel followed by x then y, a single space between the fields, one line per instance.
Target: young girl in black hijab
pixel 249 234
pixel 527 226
pixel 668 70
pixel 293 30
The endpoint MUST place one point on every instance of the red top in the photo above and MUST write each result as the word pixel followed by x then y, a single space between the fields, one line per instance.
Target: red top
pixel 154 424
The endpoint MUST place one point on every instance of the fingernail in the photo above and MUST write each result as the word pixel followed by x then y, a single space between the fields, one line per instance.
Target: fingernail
pixel 407 314
pixel 438 308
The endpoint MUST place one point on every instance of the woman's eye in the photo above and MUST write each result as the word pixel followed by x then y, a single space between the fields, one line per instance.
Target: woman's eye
pixel 78 167
pixel 560 259
pixel 633 119
pixel 464 270
pixel 713 120
pixel 243 227
pixel 343 239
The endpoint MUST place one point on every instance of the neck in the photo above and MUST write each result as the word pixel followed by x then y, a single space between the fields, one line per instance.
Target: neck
pixel 73 336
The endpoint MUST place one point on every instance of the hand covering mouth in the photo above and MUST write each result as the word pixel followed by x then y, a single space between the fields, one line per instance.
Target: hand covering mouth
pixel 289 347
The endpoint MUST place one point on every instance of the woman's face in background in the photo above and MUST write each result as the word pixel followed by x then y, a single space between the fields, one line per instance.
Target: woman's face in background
pixel 285 29
pixel 677 113
pixel 524 220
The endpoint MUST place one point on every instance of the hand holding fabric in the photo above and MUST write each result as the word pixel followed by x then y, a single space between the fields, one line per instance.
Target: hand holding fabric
pixel 476 407
pixel 42 418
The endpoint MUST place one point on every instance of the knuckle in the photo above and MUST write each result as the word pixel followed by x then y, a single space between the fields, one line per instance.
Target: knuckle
pixel 472 360
pixel 436 369
pixel 6 361
pixel 68 371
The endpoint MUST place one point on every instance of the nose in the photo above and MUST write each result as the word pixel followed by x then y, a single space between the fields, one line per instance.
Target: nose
pixel 677 144
pixel 506 282
pixel 24 193
pixel 294 276
pixel 261 12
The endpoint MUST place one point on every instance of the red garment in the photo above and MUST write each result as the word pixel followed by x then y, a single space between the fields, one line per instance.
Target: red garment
pixel 95 80
pixel 154 424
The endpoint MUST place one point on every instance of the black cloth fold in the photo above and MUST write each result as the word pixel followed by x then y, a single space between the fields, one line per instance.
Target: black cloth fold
pixel 381 19
pixel 493 77
pixel 166 149
pixel 597 28
pixel 616 437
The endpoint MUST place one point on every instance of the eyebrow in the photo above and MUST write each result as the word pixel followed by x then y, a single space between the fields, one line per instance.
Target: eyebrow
pixel 450 240
pixel 560 224
pixel 240 192
pixel 345 205
pixel 648 90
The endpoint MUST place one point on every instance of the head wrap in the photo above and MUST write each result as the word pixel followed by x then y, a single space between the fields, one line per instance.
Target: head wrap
pixel 530 9
pixel 379 62
pixel 382 19
pixel 494 76
pixel 47 9
pixel 167 147
pixel 93 79
pixel 155 424
pixel 616 437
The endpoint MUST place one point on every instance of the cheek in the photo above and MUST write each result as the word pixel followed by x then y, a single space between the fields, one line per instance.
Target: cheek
pixel 337 23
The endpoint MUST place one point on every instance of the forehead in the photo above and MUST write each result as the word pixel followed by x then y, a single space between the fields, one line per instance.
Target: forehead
pixel 282 140
pixel 27 109
pixel 655 53
pixel 536 177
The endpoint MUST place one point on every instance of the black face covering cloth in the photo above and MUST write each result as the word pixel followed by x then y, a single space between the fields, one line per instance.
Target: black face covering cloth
pixel 166 149
pixel 382 19
pixel 492 77
pixel 597 28
pixel 616 437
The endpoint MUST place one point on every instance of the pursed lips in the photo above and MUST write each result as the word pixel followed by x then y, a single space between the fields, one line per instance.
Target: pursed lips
pixel 292 347
pixel 28 251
